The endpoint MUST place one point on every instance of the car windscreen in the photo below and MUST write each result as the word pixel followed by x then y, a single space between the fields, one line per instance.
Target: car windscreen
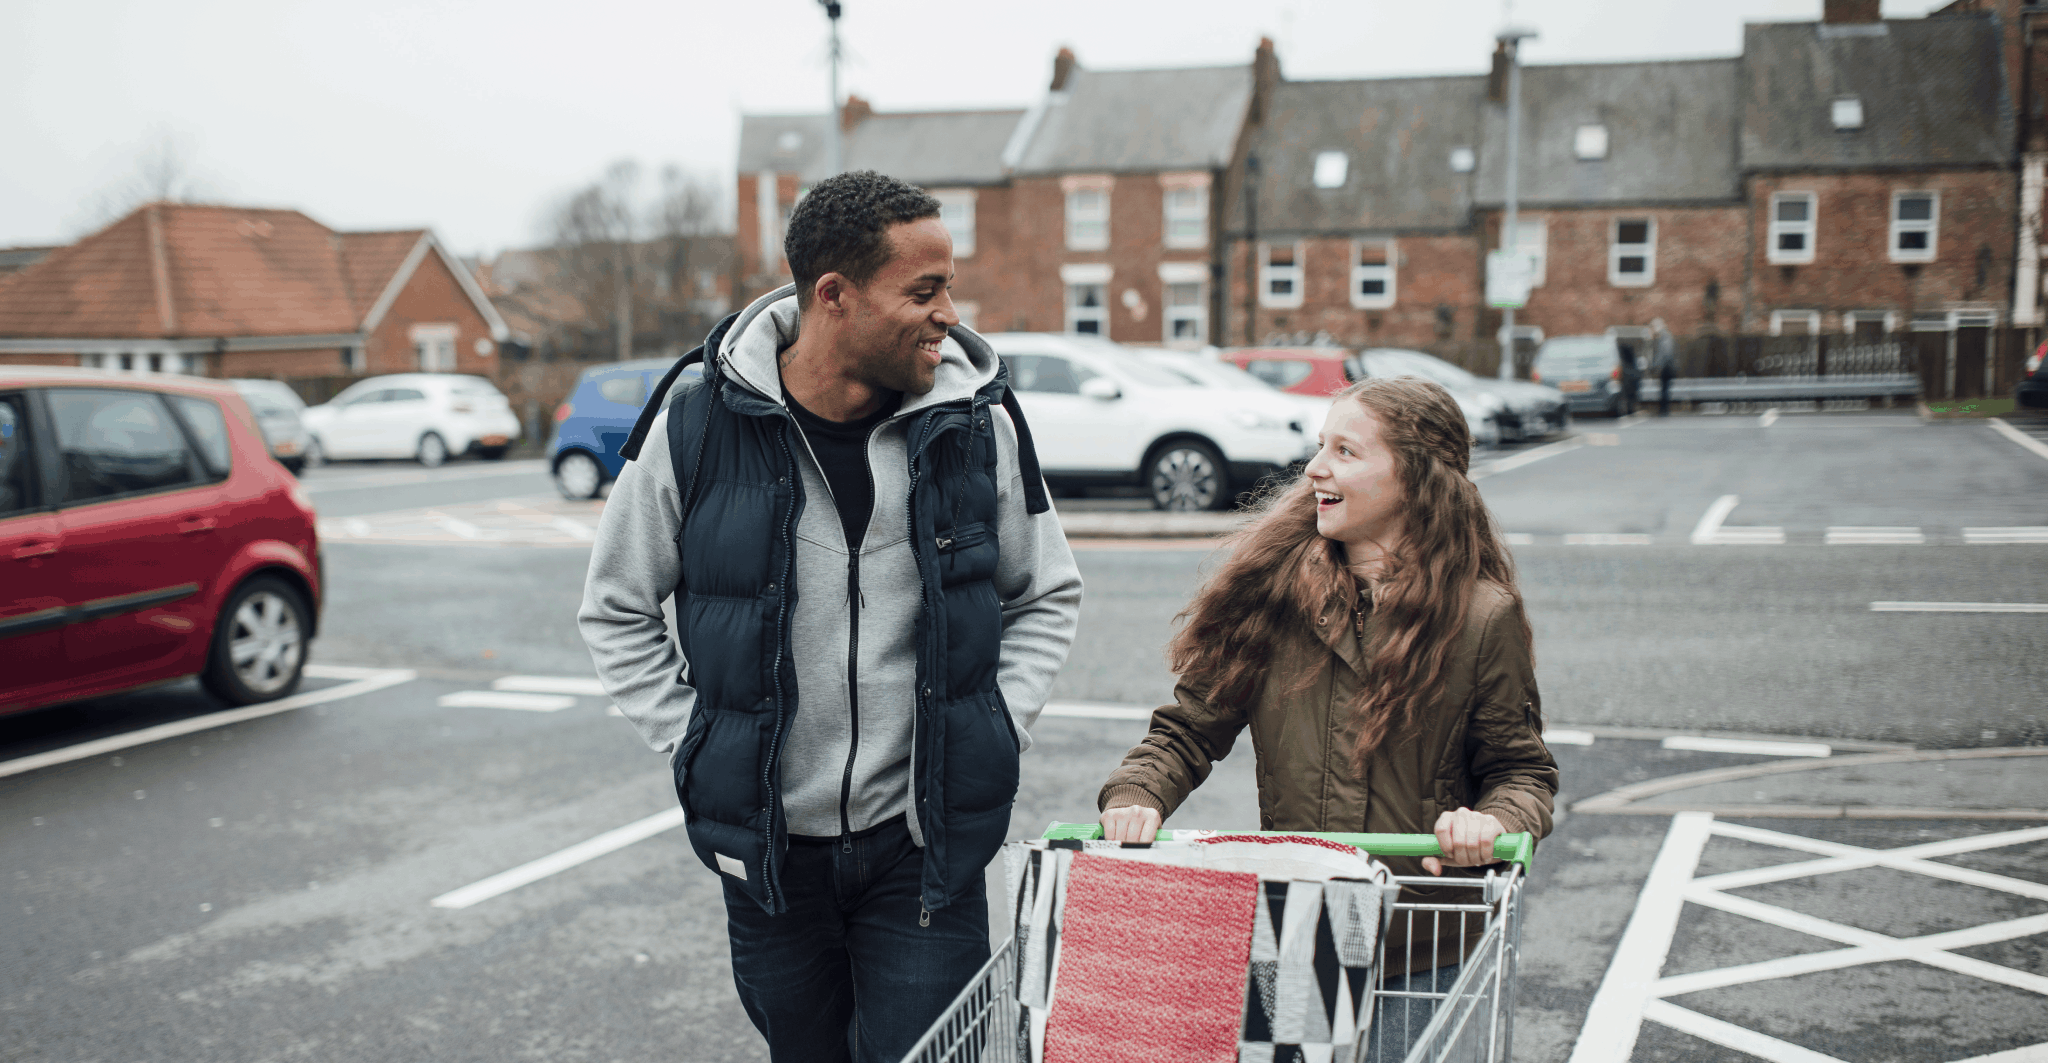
pixel 1588 357
pixel 1404 363
pixel 1280 372
pixel 626 389
pixel 1135 370
pixel 1216 374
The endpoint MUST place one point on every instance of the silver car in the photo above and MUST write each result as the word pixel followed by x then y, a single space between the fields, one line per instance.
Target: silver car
pixel 277 408
pixel 1519 410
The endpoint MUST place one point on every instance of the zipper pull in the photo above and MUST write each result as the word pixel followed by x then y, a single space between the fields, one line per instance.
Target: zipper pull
pixel 943 543
pixel 846 843
pixel 924 917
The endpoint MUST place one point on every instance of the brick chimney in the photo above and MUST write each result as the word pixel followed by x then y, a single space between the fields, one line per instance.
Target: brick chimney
pixel 1497 78
pixel 854 112
pixel 1062 69
pixel 1265 78
pixel 1838 11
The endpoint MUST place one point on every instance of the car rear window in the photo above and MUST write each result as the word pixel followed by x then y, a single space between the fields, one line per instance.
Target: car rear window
pixel 405 395
pixel 626 389
pixel 1562 357
pixel 114 442
pixel 209 428
pixel 1280 372
pixel 17 490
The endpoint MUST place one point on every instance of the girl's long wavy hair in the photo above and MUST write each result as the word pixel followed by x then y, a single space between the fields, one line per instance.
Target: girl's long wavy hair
pixel 1281 574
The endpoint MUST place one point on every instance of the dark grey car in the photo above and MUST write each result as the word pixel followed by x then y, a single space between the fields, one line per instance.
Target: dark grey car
pixel 1587 369
pixel 277 407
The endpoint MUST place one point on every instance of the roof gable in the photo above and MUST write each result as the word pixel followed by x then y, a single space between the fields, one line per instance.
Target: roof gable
pixel 1933 93
pixel 102 285
pixel 1138 120
pixel 933 148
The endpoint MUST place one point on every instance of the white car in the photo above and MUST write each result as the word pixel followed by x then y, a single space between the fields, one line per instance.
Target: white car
pixel 1212 372
pixel 1488 417
pixel 1101 413
pixel 426 416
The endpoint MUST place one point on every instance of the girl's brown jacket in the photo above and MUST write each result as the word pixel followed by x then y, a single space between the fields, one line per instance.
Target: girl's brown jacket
pixel 1479 746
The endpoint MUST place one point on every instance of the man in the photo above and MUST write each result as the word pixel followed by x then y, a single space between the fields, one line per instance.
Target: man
pixel 1665 364
pixel 872 598
pixel 1631 377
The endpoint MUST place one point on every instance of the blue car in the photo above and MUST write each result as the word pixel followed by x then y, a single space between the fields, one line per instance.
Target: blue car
pixel 595 421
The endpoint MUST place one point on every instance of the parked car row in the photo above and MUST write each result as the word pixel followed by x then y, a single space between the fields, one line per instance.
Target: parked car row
pixel 146 535
pixel 429 417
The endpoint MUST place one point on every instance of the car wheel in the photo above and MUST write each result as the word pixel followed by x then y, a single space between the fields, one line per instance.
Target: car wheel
pixel 578 476
pixel 294 466
pixel 492 453
pixel 259 643
pixel 315 455
pixel 432 452
pixel 1187 477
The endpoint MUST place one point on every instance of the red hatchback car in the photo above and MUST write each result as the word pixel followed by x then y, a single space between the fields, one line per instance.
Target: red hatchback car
pixel 1317 371
pixel 146 534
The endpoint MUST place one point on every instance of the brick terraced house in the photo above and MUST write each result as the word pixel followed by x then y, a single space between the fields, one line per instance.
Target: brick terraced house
pixel 236 292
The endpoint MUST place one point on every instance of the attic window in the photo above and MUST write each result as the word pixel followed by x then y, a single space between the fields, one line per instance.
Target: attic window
pixel 790 140
pixel 1463 160
pixel 1331 166
pixel 1847 112
pixel 1590 142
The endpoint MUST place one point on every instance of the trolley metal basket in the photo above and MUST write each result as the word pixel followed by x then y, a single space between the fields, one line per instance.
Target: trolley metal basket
pixel 1474 1014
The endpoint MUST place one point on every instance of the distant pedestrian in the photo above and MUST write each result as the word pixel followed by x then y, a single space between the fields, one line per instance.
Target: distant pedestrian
pixel 1631 378
pixel 1368 631
pixel 872 597
pixel 1664 363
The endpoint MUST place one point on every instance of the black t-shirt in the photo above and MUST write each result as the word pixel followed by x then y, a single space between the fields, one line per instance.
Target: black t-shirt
pixel 842 450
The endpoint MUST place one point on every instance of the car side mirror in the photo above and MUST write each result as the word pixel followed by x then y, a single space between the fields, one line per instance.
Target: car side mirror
pixel 1101 388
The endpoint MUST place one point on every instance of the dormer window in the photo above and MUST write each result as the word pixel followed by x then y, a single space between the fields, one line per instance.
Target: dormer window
pixel 1331 167
pixel 1847 113
pixel 1590 142
pixel 1463 160
pixel 790 140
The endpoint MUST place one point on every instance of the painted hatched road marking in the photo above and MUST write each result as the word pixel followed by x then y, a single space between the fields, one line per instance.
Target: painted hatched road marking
pixel 504 522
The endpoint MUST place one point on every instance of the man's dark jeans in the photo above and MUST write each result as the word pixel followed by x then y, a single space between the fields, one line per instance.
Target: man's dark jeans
pixel 847 973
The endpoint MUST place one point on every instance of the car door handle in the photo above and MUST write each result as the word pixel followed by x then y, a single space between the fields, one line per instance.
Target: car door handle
pixel 196 525
pixel 35 548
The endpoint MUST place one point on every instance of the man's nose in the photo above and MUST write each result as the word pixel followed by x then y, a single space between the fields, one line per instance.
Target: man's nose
pixel 944 312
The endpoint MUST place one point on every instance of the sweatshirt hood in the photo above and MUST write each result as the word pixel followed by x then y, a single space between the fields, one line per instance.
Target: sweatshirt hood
pixel 752 348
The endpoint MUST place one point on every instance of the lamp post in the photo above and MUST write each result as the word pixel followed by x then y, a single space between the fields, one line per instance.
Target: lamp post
pixel 1251 245
pixel 1512 37
pixel 835 161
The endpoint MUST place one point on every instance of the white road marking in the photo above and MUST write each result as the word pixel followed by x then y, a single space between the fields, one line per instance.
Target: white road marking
pixel 1710 521
pixel 1985 536
pixel 2008 431
pixel 361 481
pixel 1568 738
pixel 2027 1054
pixel 1958 607
pixel 1602 439
pixel 1616 1015
pixel 1096 710
pixel 550 684
pixel 1632 420
pixel 1607 539
pixel 1520 539
pixel 1848 536
pixel 367 680
pixel 1516 461
pixel 574 528
pixel 559 861
pixel 1729 1035
pixel 1710 531
pixel 1769 418
pixel 462 528
pixel 505 699
pixel 356 527
pixel 1740 745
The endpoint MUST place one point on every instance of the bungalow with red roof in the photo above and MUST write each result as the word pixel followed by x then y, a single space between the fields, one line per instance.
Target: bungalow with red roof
pixel 239 292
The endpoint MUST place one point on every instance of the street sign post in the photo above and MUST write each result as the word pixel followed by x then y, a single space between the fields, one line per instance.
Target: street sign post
pixel 1508 274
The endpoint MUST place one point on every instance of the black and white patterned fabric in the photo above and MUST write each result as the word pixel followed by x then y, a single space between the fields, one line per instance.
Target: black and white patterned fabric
pixel 1314 958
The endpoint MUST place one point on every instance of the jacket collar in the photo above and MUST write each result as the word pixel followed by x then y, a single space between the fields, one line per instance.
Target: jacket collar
pixel 1337 627
pixel 752 349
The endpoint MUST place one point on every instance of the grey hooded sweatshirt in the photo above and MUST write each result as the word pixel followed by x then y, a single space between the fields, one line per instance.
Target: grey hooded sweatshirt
pixel 634 567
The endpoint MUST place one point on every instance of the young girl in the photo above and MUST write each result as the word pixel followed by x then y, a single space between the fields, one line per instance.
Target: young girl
pixel 1367 629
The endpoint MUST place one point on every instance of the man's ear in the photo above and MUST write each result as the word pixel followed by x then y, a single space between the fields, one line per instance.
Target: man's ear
pixel 829 293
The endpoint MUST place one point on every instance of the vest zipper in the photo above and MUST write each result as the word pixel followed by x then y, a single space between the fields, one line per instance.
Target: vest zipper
pixel 768 765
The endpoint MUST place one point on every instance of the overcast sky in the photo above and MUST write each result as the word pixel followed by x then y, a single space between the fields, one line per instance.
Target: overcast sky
pixel 474 117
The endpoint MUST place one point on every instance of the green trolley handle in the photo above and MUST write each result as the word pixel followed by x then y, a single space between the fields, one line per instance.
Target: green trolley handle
pixel 1512 848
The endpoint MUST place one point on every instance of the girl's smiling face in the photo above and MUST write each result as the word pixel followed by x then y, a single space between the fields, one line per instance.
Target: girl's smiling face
pixel 1359 497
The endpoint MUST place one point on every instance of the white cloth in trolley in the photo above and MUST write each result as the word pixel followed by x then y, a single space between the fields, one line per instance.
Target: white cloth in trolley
pixel 1201 948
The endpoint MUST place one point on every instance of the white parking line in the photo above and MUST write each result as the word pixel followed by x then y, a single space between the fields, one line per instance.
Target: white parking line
pixel 562 860
pixel 505 699
pixel 550 684
pixel 1568 738
pixel 1710 521
pixel 1096 710
pixel 462 528
pixel 1520 539
pixel 1616 1016
pixel 366 680
pixel 1743 745
pixel 1848 536
pixel 575 528
pixel 1516 461
pixel 1607 539
pixel 2017 436
pixel 1710 531
pixel 1769 418
pixel 1985 536
pixel 1958 607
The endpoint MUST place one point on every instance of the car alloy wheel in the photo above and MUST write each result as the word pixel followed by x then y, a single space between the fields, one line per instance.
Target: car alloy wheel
pixel 432 453
pixel 259 643
pixel 578 476
pixel 1187 478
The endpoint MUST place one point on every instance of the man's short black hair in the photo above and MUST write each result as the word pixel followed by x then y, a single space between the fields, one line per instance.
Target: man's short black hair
pixel 842 224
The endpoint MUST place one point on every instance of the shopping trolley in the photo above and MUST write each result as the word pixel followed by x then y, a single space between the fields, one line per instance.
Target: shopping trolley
pixel 1474 1015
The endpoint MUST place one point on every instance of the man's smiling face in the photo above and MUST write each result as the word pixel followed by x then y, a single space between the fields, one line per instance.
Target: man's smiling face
pixel 896 321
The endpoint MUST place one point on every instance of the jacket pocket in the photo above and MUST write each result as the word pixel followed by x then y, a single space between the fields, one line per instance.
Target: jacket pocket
pixel 721 778
pixel 981 768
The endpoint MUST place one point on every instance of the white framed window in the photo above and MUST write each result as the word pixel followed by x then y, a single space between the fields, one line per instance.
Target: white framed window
pixel 1184 286
pixel 1087 212
pixel 1532 238
pixel 1589 142
pixel 1916 222
pixel 1280 274
pixel 1088 309
pixel 1632 252
pixel 956 213
pixel 1871 324
pixel 1187 210
pixel 1331 169
pixel 1373 264
pixel 1846 113
pixel 434 348
pixel 1795 322
pixel 1792 228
